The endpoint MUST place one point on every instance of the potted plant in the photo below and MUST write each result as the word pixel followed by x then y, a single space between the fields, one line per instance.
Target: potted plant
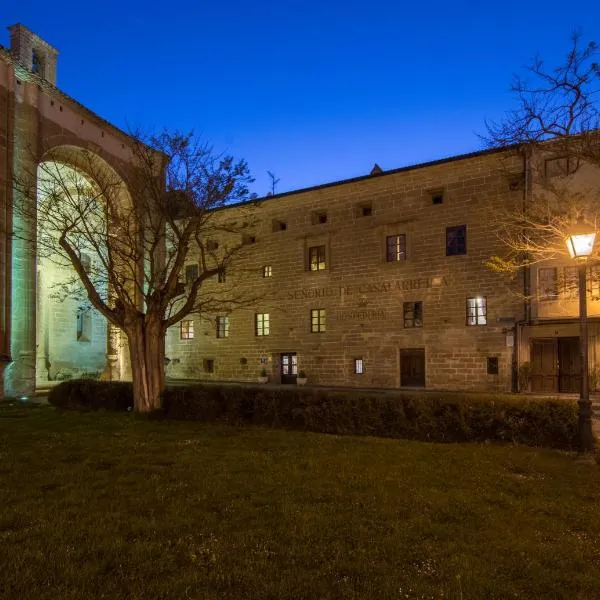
pixel 264 377
pixel 301 379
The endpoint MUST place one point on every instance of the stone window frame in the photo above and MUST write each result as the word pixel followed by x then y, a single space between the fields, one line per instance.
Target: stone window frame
pixel 222 323
pixel 359 366
pixel 476 311
pixel 456 240
pixel 267 271
pixel 396 247
pixel 413 314
pixel 186 329
pixel 317 258
pixel 262 324
pixel 318 320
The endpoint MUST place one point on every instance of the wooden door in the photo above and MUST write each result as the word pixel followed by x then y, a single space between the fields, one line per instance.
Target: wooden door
pixel 569 365
pixel 544 366
pixel 289 367
pixel 412 367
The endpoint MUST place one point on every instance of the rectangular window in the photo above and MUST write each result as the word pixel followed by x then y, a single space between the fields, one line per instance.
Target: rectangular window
pixel 547 284
pixel 208 364
pixel 396 247
pixel 317 320
pixel 437 197
pixel 477 311
pixel 570 283
pixel 359 366
pixel 186 330
pixel 560 167
pixel 319 217
pixel 413 314
pixel 222 327
pixel 316 258
pixel 191 273
pixel 84 325
pixel 456 240
pixel 267 271
pixel 279 225
pixel 492 365
pixel 261 324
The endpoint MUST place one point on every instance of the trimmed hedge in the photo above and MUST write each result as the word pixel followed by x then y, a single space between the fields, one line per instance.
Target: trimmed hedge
pixel 428 416
pixel 90 394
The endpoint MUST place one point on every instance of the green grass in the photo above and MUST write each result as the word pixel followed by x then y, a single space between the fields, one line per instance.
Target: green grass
pixel 100 505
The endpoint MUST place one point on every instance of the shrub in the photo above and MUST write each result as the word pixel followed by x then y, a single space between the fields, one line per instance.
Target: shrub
pixel 432 416
pixel 90 394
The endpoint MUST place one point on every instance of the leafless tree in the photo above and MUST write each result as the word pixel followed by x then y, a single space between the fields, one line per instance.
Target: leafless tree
pixel 552 157
pixel 127 239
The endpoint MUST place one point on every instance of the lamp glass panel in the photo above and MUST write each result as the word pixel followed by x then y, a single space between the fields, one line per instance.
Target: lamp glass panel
pixel 581 245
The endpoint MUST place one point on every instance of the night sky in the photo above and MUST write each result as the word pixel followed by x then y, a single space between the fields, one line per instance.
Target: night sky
pixel 312 91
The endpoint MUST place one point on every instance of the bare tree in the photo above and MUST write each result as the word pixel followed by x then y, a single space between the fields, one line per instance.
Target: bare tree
pixel 126 239
pixel 552 140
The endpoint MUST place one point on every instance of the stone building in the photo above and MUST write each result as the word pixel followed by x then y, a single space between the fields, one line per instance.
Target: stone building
pixel 376 281
pixel 40 337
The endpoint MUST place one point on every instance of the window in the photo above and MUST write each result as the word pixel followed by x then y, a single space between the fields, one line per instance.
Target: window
pixel 456 240
pixel 359 366
pixel 413 314
pixel 222 327
pixel 191 273
pixel 86 262
pixel 396 247
pixel 208 365
pixel 492 365
pixel 547 285
pixel 570 287
pixel 36 63
pixel 248 238
pixel 364 209
pixel 267 271
pixel 317 320
pixel 559 167
pixel 222 276
pixel 261 326
pixel 186 330
pixel 316 258
pixel 319 217
pixel 84 325
pixel 279 225
pixel 437 197
pixel 477 311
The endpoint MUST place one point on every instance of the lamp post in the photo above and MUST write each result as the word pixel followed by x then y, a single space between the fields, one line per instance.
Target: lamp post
pixel 581 244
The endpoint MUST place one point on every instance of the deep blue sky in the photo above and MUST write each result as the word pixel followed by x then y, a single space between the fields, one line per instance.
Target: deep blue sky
pixel 313 91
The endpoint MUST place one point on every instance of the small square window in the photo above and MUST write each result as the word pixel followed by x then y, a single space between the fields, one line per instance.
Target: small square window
pixel 319 217
pixel 492 365
pixel 191 273
pixel 365 209
pixel 316 258
pixel 437 197
pixel 317 320
pixel 477 311
pixel 222 327
pixel 456 240
pixel 396 247
pixel 279 225
pixel 186 330
pixel 208 364
pixel 413 314
pixel 359 366
pixel 261 324
pixel 267 271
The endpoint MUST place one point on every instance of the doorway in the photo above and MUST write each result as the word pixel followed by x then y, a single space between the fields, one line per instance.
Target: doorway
pixel 412 367
pixel 289 367
pixel 555 365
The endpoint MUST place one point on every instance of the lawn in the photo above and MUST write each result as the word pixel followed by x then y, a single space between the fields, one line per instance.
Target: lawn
pixel 100 505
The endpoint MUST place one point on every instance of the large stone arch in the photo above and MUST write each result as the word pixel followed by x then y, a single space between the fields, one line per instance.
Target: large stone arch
pixel 54 338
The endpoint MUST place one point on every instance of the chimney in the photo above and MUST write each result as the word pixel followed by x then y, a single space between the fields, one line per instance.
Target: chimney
pixel 33 53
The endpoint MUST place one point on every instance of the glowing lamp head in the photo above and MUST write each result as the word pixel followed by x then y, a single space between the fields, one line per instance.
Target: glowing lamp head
pixel 580 242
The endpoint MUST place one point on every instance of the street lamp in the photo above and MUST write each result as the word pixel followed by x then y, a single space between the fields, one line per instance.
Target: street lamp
pixel 581 244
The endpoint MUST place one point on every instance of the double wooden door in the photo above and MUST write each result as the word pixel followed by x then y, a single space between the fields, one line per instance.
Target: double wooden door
pixel 555 365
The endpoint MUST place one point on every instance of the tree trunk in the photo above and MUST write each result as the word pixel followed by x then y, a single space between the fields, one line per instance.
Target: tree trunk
pixel 147 352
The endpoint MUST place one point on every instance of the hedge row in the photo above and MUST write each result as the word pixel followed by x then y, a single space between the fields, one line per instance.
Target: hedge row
pixel 432 416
